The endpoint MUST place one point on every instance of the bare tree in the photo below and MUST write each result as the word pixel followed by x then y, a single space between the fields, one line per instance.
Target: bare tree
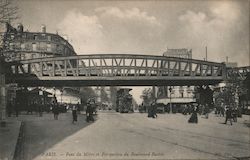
pixel 147 96
pixel 8 11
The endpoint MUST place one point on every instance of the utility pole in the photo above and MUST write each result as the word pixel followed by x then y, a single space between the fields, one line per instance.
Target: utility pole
pixel 170 103
pixel 206 54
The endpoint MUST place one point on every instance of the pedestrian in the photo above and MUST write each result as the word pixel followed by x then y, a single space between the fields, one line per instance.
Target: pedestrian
pixel 90 110
pixel 154 107
pixel 189 108
pixel 78 108
pixel 30 108
pixel 234 114
pixel 67 107
pixel 194 118
pixel 228 115
pixel 206 110
pixel 222 110
pixel 74 113
pixel 40 110
pixel 151 110
pixel 55 110
pixel 184 112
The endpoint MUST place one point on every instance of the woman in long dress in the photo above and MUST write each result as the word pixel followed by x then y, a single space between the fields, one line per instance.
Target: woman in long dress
pixel 194 117
pixel 74 114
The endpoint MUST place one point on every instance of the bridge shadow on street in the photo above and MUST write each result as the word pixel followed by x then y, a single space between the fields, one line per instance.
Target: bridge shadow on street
pixel 42 133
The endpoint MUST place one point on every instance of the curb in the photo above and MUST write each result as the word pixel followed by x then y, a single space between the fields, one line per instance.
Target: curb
pixel 19 154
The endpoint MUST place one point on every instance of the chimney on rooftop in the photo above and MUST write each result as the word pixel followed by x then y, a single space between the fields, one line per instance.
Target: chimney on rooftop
pixel 43 29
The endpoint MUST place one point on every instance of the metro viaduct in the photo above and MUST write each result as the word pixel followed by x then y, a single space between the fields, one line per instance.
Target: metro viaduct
pixel 115 70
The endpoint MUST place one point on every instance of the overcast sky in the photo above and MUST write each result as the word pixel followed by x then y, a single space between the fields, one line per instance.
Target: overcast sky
pixel 146 27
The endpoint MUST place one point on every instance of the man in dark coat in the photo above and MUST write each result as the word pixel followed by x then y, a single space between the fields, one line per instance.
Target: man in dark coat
pixel 154 105
pixel 55 110
pixel 228 115
pixel 90 110
pixel 74 113
pixel 151 111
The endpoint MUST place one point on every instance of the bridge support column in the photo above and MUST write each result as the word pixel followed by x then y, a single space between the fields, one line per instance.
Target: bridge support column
pixel 113 91
pixel 154 90
pixel 2 94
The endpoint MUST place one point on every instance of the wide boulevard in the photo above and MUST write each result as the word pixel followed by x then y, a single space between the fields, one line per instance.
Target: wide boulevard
pixel 133 136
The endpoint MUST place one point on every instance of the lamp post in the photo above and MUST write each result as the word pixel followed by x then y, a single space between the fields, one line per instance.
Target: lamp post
pixel 170 104
pixel 61 94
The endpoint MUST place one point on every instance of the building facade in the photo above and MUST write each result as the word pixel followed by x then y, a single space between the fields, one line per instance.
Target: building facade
pixel 17 44
pixel 22 45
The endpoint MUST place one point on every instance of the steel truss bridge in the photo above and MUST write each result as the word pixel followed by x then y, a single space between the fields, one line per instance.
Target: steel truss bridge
pixel 116 70
pixel 239 72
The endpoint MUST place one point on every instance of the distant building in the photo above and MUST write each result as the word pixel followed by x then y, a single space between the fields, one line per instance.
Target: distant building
pixel 231 64
pixel 176 94
pixel 106 95
pixel 179 53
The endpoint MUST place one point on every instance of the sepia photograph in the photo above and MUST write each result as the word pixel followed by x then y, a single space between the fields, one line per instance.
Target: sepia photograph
pixel 124 79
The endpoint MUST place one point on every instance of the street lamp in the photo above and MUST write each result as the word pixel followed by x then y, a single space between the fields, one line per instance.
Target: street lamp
pixel 61 94
pixel 170 104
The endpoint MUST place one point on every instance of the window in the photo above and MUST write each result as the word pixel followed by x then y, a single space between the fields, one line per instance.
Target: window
pixel 34 55
pixel 35 37
pixel 22 46
pixel 49 38
pixel 22 56
pixel 34 47
pixel 49 47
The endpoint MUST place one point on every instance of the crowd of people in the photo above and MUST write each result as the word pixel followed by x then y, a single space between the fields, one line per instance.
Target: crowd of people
pixel 55 108
pixel 230 112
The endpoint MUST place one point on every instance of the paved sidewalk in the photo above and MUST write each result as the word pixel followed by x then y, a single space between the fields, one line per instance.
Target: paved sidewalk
pixel 8 138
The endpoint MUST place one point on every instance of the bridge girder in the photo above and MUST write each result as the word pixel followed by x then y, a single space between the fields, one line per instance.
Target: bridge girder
pixel 238 72
pixel 116 69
